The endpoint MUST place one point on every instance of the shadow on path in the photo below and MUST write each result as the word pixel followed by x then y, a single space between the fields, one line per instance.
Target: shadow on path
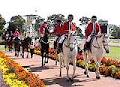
pixel 40 68
pixel 65 83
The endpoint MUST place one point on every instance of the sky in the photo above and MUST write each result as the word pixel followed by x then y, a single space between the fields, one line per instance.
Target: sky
pixel 103 9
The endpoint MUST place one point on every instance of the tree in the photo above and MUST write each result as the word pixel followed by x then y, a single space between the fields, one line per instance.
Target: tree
pixel 52 20
pixel 38 22
pixel 84 20
pixel 115 32
pixel 79 32
pixel 83 23
pixel 2 23
pixel 16 22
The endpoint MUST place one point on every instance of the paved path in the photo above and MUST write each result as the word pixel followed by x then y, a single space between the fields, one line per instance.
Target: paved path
pixel 50 74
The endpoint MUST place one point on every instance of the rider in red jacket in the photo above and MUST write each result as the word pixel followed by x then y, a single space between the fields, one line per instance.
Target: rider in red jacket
pixel 42 29
pixel 93 28
pixel 68 26
pixel 58 27
pixel 90 27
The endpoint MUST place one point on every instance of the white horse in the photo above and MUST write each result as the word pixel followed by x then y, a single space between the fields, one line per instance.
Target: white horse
pixel 98 45
pixel 69 54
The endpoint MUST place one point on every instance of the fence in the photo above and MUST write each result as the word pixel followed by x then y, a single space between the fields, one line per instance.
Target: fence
pixel 114 46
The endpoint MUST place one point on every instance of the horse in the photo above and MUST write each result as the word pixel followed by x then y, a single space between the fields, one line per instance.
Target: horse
pixel 17 43
pixel 25 45
pixel 5 38
pixel 44 48
pixel 98 44
pixel 69 53
pixel 9 42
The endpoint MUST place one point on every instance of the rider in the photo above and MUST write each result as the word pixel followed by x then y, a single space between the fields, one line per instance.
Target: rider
pixel 93 28
pixel 58 27
pixel 68 27
pixel 16 33
pixel 42 29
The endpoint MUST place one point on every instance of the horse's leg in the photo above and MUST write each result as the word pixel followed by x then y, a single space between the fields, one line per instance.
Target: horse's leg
pixel 86 64
pixel 46 57
pixel 56 59
pixel 22 52
pixel 42 53
pixel 97 61
pixel 74 66
pixel 5 46
pixel 27 53
pixel 60 60
pixel 55 62
pixel 63 61
pixel 15 52
pixel 10 47
pixel 18 53
pixel 67 67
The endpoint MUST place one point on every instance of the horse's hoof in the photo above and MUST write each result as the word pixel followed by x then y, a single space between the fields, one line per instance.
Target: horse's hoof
pixel 68 79
pixel 60 75
pixel 46 61
pixel 74 76
pixel 85 72
pixel 87 76
pixel 97 77
pixel 43 64
pixel 71 79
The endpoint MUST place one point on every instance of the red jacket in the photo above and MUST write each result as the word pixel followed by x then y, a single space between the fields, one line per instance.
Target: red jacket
pixel 65 27
pixel 16 34
pixel 57 30
pixel 42 29
pixel 89 29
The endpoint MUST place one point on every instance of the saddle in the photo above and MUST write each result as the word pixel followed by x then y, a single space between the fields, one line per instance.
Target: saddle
pixel 58 46
pixel 87 45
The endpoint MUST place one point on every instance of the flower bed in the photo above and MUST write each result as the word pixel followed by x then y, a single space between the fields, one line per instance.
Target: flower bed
pixel 109 66
pixel 17 76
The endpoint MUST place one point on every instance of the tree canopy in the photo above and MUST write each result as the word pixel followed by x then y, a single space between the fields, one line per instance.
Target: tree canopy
pixel 16 22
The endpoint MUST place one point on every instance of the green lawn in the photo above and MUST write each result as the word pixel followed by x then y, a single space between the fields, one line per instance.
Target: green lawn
pixel 114 52
pixel 2 48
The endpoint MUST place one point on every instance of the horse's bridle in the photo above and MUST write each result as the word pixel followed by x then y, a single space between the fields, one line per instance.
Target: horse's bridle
pixel 98 43
pixel 68 44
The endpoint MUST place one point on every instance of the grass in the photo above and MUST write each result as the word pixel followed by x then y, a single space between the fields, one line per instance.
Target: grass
pixel 114 53
pixel 2 48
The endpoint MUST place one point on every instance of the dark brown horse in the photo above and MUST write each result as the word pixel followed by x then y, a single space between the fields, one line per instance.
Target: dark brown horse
pixel 8 38
pixel 17 43
pixel 25 45
pixel 44 47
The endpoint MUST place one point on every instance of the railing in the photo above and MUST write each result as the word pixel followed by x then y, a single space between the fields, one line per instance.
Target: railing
pixel 114 46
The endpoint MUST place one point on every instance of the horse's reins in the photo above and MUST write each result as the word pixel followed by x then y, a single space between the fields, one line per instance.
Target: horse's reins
pixel 68 44
pixel 97 43
pixel 44 42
